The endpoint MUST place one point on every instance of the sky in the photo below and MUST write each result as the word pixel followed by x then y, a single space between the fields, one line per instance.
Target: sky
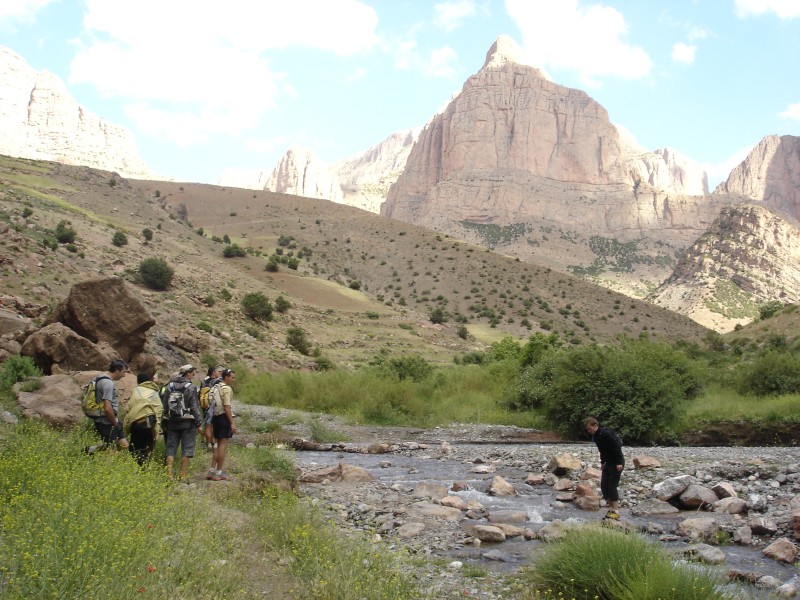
pixel 209 86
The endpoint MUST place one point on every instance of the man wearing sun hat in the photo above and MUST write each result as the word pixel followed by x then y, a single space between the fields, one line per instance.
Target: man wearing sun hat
pixel 181 429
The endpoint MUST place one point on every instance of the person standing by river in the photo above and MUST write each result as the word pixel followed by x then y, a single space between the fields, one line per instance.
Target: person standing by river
pixel 612 462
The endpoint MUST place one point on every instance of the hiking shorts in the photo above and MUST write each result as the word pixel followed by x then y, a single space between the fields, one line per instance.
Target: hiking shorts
pixel 222 427
pixel 107 432
pixel 185 437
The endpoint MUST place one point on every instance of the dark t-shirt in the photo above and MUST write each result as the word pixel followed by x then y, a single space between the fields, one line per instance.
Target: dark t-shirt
pixel 609 445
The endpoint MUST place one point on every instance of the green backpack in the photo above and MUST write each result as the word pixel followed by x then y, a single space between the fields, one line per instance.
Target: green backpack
pixel 92 407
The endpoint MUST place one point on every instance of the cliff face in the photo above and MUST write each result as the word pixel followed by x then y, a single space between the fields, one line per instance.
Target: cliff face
pixel 40 120
pixel 748 256
pixel 300 173
pixel 771 174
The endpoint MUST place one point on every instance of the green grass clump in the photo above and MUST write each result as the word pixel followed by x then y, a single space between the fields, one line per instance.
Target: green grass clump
pixel 595 562
pixel 329 564
pixel 76 525
pixel 725 404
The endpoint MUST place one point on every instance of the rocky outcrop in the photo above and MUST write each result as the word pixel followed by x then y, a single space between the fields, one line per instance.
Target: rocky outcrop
pixel 749 256
pixel 300 173
pixel 366 178
pixel 56 344
pixel 104 310
pixel 771 174
pixel 39 119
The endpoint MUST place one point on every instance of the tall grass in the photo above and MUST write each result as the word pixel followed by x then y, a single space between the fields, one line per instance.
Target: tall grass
pixel 94 526
pixel 597 563
pixel 725 404
pixel 329 564
pixel 467 394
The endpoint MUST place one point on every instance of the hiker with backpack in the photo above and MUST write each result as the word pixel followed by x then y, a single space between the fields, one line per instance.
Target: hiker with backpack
pixel 213 377
pixel 143 419
pixel 100 403
pixel 222 423
pixel 181 418
pixel 612 462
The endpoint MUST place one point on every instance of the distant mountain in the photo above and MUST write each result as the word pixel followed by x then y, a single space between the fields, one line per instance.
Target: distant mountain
pixel 749 256
pixel 39 119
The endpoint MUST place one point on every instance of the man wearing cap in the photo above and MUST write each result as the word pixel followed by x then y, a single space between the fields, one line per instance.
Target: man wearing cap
pixel 213 377
pixel 182 426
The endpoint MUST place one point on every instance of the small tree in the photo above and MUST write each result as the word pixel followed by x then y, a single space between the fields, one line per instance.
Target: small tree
pixel 156 273
pixel 119 239
pixel 147 234
pixel 272 265
pixel 65 234
pixel 257 306
pixel 298 339
pixel 437 316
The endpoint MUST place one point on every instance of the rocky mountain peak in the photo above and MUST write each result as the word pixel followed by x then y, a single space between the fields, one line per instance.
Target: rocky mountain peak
pixel 504 50
pixel 301 173
pixel 39 119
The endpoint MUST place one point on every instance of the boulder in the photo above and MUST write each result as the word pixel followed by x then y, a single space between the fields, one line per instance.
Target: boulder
pixel 56 344
pixel 671 487
pixel 643 462
pixel 561 464
pixel 782 550
pixel 534 479
pixel 500 487
pixel 724 490
pixel 697 496
pixel 410 530
pixel 794 508
pixel 743 535
pixel 705 554
pixel 553 531
pixel 430 489
pixel 510 530
pixel 12 323
pixel 508 516
pixel 454 502
pixel 192 341
pixel 563 484
pixel 105 310
pixel 732 506
pixel 591 473
pixel 588 502
pixel 488 533
pixel 585 489
pixel 341 472
pixel 428 509
pixel 698 528
pixel 57 401
pixel 762 526
pixel 653 506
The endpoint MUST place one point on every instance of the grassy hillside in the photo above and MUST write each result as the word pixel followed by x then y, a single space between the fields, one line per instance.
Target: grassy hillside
pixel 362 285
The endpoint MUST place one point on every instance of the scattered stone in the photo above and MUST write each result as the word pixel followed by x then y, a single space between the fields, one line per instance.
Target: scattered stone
pixel 674 486
pixel 488 533
pixel 500 487
pixel 561 464
pixel 782 550
pixel 643 462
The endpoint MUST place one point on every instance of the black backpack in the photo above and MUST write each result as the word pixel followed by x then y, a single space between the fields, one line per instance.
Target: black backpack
pixel 176 406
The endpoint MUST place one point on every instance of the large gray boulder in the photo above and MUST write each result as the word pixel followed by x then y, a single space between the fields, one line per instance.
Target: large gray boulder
pixel 58 345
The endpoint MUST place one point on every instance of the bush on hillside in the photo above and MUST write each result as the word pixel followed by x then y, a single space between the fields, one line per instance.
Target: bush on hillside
pixel 298 339
pixel 147 234
pixel 773 373
pixel 412 367
pixel 156 273
pixel 119 239
pixel 282 305
pixel 16 368
pixel 234 250
pixel 65 234
pixel 257 306
pixel 636 388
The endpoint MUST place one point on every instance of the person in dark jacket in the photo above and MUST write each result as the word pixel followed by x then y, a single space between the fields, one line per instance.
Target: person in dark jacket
pixel 181 429
pixel 612 462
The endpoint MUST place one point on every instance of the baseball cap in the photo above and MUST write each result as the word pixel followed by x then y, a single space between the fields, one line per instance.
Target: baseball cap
pixel 186 369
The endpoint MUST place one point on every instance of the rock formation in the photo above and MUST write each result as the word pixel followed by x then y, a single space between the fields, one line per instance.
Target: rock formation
pixel 366 178
pixel 749 255
pixel 771 174
pixel 300 173
pixel 40 120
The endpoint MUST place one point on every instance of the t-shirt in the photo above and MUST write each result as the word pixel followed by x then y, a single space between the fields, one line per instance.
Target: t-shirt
pixel 106 390
pixel 226 395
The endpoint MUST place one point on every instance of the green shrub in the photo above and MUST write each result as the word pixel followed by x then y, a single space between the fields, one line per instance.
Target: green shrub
pixel 147 234
pixel 225 294
pixel 257 306
pixel 209 300
pixel 272 265
pixel 773 373
pixel 462 332
pixel 65 234
pixel 119 239
pixel 323 363
pixel 437 316
pixel 50 243
pixel 156 273
pixel 27 212
pixel 768 310
pixel 297 338
pixel 355 285
pixel 205 326
pixel 412 367
pixel 371 314
pixel 637 388
pixel 71 248
pixel 234 251
pixel 594 562
pixel 17 368
pixel 282 305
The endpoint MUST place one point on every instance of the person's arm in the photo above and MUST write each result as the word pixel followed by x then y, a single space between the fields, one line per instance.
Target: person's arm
pixel 229 414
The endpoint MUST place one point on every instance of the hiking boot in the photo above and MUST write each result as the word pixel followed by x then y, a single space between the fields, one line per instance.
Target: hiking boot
pixel 219 476
pixel 210 474
pixel 612 514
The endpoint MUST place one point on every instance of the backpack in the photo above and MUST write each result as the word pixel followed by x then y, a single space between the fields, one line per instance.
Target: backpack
pixel 92 407
pixel 205 393
pixel 176 407
pixel 216 405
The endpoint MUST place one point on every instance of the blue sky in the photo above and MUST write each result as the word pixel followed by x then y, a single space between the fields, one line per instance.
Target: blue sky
pixel 207 86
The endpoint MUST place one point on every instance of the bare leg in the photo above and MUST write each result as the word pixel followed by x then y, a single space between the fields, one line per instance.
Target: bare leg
pixel 184 465
pixel 219 453
pixel 170 460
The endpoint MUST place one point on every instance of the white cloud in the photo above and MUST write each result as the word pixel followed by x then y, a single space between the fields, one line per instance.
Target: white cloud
pixel 783 9
pixel 195 67
pixel 683 53
pixel 698 33
pixel 450 15
pixel 439 63
pixel 587 39
pixel 792 112
pixel 21 10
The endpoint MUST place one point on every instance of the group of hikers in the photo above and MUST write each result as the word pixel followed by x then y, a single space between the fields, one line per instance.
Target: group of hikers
pixel 180 410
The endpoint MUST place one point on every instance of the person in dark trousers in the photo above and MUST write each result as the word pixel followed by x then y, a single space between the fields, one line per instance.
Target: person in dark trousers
pixel 144 417
pixel 612 462
pixel 108 426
